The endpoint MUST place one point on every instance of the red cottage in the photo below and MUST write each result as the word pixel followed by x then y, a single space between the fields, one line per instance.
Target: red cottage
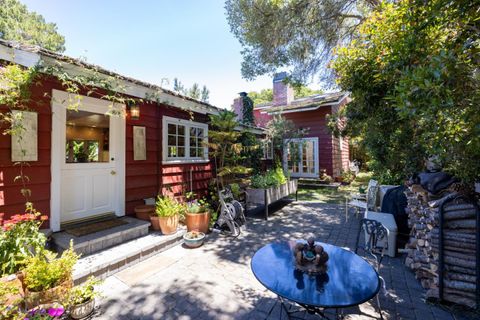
pixel 319 149
pixel 84 164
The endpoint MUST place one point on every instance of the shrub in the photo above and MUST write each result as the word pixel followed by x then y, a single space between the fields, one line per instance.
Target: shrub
pixel 45 270
pixel 347 176
pixel 272 178
pixel 20 238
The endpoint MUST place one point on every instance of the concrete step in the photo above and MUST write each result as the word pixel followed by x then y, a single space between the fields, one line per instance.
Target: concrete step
pixel 110 261
pixel 101 240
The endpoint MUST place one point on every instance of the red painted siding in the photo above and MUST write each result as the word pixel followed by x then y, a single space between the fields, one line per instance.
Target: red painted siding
pixel 261 119
pixel 341 156
pixel 144 179
pixel 316 124
pixel 38 172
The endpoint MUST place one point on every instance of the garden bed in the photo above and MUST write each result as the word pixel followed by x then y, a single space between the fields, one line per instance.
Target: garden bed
pixel 265 197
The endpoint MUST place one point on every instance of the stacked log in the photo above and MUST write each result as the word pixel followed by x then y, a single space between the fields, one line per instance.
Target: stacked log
pixel 459 246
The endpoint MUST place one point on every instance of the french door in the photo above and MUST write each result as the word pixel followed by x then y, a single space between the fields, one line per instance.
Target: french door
pixel 300 157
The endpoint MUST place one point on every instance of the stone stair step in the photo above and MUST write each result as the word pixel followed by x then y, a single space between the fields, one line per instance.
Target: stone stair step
pixel 110 261
pixel 101 240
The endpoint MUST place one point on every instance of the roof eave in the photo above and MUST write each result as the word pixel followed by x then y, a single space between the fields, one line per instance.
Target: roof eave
pixel 132 87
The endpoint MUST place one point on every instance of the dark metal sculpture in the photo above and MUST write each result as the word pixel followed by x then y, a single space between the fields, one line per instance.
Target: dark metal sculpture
pixel 310 257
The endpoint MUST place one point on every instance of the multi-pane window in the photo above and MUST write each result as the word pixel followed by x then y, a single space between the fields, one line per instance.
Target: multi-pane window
pixel 176 141
pixel 184 140
pixel 197 144
pixel 267 149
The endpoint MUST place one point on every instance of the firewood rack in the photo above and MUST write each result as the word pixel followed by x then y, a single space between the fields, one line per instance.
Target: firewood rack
pixel 441 253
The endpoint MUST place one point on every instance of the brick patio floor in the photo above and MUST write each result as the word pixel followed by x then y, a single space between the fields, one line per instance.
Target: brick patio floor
pixel 215 280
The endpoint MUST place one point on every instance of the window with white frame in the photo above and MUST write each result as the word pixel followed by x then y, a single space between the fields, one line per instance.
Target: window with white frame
pixel 267 149
pixel 184 141
pixel 340 139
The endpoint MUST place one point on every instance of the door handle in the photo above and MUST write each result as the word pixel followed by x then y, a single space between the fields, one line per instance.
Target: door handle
pixel 113 172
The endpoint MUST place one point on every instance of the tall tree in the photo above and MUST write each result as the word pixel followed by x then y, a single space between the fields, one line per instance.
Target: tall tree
pixel 412 71
pixel 19 24
pixel 296 33
pixel 205 94
pixel 194 92
pixel 266 95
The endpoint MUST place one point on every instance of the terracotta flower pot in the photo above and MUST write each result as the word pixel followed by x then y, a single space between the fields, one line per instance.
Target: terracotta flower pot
pixel 144 212
pixel 58 293
pixel 197 221
pixel 169 225
pixel 155 221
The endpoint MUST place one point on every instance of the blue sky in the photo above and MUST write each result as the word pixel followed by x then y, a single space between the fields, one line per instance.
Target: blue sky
pixel 150 40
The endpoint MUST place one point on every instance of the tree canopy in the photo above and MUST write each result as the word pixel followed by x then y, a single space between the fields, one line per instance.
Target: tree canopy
pixel 194 91
pixel 266 95
pixel 412 70
pixel 19 24
pixel 292 33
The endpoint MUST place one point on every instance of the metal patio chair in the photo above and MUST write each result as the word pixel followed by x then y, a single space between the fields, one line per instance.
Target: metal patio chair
pixel 374 232
pixel 363 202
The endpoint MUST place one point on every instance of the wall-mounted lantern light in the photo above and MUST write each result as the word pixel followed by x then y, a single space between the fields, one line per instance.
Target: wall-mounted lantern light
pixel 134 110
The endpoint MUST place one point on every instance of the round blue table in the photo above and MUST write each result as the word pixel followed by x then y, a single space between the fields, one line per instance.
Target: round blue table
pixel 349 280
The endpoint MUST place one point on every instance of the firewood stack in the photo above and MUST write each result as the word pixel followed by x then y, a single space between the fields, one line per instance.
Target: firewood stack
pixel 459 246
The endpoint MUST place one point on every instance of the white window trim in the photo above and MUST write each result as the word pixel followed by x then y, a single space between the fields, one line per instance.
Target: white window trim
pixel 266 144
pixel 188 124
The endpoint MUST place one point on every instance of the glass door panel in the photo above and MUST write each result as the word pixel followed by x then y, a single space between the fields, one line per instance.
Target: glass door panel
pixel 301 157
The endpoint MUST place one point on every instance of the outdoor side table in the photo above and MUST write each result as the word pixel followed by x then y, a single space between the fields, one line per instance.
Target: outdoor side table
pixel 349 280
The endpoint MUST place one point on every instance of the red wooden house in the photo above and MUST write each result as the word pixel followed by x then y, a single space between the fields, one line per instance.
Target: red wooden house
pixel 82 164
pixel 319 149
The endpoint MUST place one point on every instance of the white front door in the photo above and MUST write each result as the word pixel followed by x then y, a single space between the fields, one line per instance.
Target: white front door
pixel 88 160
pixel 300 157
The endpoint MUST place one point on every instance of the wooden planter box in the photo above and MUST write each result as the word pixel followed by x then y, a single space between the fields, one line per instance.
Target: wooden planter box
pixel 265 197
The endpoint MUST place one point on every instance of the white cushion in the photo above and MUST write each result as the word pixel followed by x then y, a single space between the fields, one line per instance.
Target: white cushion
pixel 386 219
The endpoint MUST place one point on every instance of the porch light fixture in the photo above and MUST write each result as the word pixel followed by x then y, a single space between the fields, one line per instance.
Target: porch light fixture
pixel 134 110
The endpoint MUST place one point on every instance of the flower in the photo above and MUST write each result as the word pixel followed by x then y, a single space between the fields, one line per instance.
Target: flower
pixel 44 218
pixel 55 312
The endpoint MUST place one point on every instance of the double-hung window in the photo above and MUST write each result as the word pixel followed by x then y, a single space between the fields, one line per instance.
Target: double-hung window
pixel 184 141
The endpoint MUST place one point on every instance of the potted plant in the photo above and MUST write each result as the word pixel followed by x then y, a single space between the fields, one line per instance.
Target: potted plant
pixel 82 299
pixel 167 212
pixel 48 278
pixel 193 239
pixel 197 216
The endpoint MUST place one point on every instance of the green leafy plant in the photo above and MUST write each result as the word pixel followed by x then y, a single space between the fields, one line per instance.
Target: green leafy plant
pixel 412 70
pixel 236 190
pixel 46 270
pixel 20 238
pixel 84 292
pixel 225 148
pixel 272 178
pixel 167 207
pixel 347 176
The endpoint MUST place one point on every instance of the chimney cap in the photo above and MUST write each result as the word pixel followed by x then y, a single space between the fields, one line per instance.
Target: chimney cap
pixel 279 76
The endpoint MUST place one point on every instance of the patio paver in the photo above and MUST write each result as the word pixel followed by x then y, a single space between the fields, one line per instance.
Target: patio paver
pixel 215 280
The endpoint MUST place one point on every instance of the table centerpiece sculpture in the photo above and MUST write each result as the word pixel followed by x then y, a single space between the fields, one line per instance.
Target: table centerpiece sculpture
pixel 310 257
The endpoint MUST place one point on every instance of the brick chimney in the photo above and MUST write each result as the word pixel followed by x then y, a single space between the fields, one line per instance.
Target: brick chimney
pixel 282 93
pixel 237 106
